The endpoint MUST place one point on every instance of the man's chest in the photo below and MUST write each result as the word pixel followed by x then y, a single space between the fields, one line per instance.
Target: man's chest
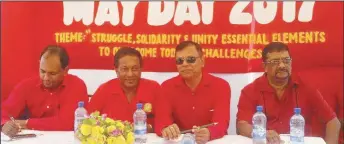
pixel 118 106
pixel 42 103
pixel 186 103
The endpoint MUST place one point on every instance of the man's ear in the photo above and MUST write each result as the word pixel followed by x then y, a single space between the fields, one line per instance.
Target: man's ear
pixel 203 60
pixel 65 70
pixel 264 66
pixel 116 71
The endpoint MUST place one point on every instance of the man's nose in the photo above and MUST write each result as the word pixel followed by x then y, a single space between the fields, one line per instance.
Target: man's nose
pixel 46 76
pixel 281 64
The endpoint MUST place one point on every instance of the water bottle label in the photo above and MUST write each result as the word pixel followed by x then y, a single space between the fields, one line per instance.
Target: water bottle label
pixel 296 139
pixel 258 135
pixel 77 122
pixel 140 141
pixel 140 131
pixel 258 132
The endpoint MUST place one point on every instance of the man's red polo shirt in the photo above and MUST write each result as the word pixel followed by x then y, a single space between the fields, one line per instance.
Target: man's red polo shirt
pixel 46 109
pixel 110 99
pixel 209 103
pixel 279 112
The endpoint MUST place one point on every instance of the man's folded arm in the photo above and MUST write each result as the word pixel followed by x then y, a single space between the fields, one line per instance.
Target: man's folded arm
pixel 14 105
pixel 244 116
pixel 221 113
pixel 163 116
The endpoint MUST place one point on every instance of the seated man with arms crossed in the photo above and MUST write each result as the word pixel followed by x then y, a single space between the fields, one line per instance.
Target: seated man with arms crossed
pixel 118 97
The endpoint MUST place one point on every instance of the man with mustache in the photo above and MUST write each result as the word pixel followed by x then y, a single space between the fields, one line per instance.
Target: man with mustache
pixel 279 94
pixel 193 98
pixel 118 97
pixel 44 102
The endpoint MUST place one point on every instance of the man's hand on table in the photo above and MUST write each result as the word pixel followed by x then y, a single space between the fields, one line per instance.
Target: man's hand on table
pixel 22 124
pixel 150 129
pixel 10 128
pixel 272 137
pixel 202 135
pixel 171 132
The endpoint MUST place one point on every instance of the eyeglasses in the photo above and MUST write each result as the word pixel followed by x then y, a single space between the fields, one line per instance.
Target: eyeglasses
pixel 277 61
pixel 189 60
pixel 126 69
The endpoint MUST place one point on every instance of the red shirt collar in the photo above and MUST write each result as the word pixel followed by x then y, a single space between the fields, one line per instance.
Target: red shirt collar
pixel 62 85
pixel 205 81
pixel 264 86
pixel 117 88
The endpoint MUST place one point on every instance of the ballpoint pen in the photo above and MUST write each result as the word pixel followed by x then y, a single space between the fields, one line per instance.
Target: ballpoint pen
pixel 203 126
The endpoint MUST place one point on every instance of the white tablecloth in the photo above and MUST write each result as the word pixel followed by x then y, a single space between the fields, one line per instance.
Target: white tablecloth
pixel 59 137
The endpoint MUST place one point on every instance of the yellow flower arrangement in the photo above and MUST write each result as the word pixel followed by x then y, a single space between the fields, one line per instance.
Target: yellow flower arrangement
pixel 99 129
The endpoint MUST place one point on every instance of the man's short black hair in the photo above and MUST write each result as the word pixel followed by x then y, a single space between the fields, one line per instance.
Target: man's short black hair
pixel 274 47
pixel 185 44
pixel 59 51
pixel 124 51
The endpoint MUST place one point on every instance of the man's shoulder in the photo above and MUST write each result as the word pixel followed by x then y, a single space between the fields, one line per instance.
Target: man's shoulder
pixel 254 85
pixel 30 81
pixel 112 83
pixel 217 81
pixel 149 83
pixel 171 82
pixel 74 80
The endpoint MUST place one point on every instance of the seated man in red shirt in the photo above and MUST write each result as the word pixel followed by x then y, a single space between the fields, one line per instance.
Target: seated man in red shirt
pixel 279 95
pixel 48 100
pixel 193 98
pixel 118 97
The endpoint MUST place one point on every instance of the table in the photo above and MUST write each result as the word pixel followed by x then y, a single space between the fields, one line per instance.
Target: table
pixel 66 137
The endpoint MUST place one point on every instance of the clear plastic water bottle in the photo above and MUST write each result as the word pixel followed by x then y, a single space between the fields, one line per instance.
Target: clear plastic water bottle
pixel 297 127
pixel 79 115
pixel 140 125
pixel 259 126
pixel 188 139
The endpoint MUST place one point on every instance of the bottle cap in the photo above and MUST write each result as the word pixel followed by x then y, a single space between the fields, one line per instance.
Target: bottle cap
pixel 297 110
pixel 259 108
pixel 139 105
pixel 80 104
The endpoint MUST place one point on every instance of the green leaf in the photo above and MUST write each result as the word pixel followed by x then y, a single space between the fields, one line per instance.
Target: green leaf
pixel 95 114
pixel 87 121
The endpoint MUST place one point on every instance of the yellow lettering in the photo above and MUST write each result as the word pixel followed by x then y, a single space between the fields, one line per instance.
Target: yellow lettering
pixel 302 37
pixel 259 54
pixel 322 37
pixel 233 53
pixel 309 37
pixel 223 39
pixel 115 50
pixel 293 37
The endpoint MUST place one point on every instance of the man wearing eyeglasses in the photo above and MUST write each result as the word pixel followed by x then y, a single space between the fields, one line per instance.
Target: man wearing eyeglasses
pixel 118 97
pixel 193 98
pixel 279 94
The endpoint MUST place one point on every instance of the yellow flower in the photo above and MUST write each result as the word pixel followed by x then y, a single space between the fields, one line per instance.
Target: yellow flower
pixel 84 142
pixel 110 128
pixel 91 141
pixel 120 125
pixel 109 121
pixel 120 140
pixel 111 140
pixel 97 131
pixel 147 107
pixel 130 138
pixel 85 129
